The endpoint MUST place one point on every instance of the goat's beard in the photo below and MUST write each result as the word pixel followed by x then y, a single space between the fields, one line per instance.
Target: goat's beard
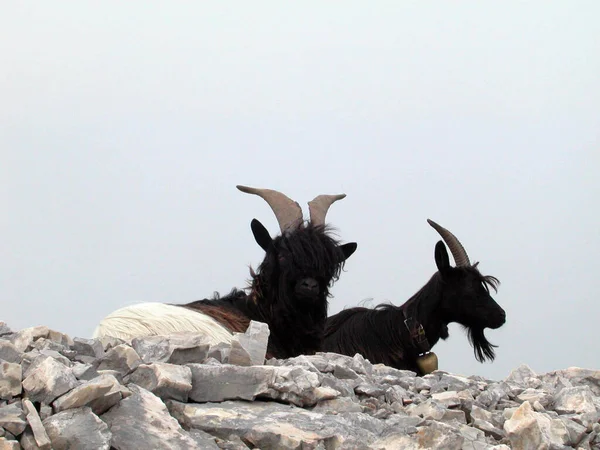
pixel 482 348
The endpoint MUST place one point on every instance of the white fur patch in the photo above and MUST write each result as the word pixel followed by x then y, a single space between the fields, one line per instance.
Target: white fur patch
pixel 147 319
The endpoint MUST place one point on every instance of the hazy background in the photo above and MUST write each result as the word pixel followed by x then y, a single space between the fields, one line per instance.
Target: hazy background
pixel 124 128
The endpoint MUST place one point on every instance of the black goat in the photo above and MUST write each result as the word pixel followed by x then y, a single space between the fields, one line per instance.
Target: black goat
pixel 401 336
pixel 288 291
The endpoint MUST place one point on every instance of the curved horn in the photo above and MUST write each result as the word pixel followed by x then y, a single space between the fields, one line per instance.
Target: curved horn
pixel 458 251
pixel 287 211
pixel 319 206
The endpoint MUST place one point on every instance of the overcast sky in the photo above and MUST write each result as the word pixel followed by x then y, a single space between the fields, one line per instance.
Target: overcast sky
pixel 125 126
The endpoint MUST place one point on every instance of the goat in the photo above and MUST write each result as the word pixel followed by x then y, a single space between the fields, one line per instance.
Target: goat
pixel 288 291
pixel 402 337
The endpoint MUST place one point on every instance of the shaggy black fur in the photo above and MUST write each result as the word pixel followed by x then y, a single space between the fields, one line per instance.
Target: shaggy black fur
pixel 453 294
pixel 290 288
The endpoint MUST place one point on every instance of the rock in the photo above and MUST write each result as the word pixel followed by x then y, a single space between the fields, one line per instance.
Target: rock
pixel 142 421
pixel 41 439
pixel 271 425
pixel 4 329
pixel 121 358
pixel 219 383
pixel 178 348
pixel 521 375
pixel 528 429
pixel 579 399
pixel 6 444
pixel 250 348
pixel 24 339
pixel 86 393
pixel 439 436
pixel 12 419
pixel 168 381
pixel 48 380
pixel 10 380
pixel 88 347
pixel 9 352
pixel 77 429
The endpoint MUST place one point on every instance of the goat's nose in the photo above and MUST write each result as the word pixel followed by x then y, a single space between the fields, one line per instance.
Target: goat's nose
pixel 310 283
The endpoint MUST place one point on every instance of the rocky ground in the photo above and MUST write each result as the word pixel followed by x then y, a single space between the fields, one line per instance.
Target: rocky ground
pixel 178 392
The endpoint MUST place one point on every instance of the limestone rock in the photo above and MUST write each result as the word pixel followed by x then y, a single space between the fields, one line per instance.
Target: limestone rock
pixel 10 380
pixel 168 381
pixel 77 429
pixel 39 434
pixel 48 380
pixel 142 421
pixel 86 393
pixel 121 358
pixel 250 348
pixel 12 419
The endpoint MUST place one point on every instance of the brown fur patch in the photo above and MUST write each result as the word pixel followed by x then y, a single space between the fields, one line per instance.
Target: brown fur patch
pixel 229 318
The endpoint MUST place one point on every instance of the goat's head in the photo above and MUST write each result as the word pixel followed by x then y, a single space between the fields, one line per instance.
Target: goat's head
pixel 303 262
pixel 466 295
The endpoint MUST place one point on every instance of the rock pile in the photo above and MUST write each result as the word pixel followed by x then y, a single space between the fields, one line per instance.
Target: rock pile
pixel 178 392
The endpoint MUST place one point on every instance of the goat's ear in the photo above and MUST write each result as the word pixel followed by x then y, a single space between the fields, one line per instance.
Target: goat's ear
pixel 348 249
pixel 261 235
pixel 441 257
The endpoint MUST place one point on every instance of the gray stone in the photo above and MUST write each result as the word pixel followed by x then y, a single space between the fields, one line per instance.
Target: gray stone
pixel 576 431
pixel 168 381
pixel 77 429
pixel 10 380
pixel 12 419
pixel 272 425
pixel 88 347
pixel 372 390
pixel 429 409
pixel 298 386
pixel 439 436
pixel 48 380
pixel 535 395
pixel 102 404
pixel 176 348
pixel 579 399
pixel 142 421
pixel 24 339
pixel 226 382
pixel 528 429
pixel 84 372
pixel 250 348
pixel 6 444
pixel 488 428
pixel 220 352
pixel 121 358
pixel 86 393
pixel 4 329
pixel 397 394
pixel 521 375
pixel 577 377
pixel 9 352
pixel 449 399
pixel 40 436
pixel 337 405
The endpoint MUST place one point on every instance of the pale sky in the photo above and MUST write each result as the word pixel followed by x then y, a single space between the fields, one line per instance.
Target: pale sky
pixel 124 128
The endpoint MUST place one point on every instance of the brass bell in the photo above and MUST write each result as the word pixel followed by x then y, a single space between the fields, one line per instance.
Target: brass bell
pixel 427 363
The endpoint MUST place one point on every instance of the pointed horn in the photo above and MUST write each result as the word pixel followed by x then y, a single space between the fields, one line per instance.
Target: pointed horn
pixel 458 251
pixel 287 211
pixel 319 206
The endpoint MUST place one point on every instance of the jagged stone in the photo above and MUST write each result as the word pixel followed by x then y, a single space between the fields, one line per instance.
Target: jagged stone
pixel 520 375
pixel 271 425
pixel 579 399
pixel 398 394
pixel 488 428
pixel 86 393
pixel 250 348
pixel 40 436
pixel 4 329
pixel 121 358
pixel 168 381
pixel 12 418
pixel 219 383
pixel 298 386
pixel 10 380
pixel 6 444
pixel 535 395
pixel 449 399
pixel 439 436
pixel 429 409
pixel 219 352
pixel 25 338
pixel 88 347
pixel 576 376
pixel 177 348
pixel 143 421
pixel 9 352
pixel 102 404
pixel 77 429
pixel 337 405
pixel 528 429
pixel 48 380
pixel 84 372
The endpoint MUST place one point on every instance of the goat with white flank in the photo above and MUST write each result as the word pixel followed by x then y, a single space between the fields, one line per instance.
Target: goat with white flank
pixel 288 291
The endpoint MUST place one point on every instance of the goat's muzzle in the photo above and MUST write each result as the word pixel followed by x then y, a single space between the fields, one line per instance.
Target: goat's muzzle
pixel 307 288
pixel 497 319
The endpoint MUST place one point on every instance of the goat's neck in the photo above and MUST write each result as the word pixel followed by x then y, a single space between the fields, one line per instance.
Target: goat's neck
pixel 428 314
